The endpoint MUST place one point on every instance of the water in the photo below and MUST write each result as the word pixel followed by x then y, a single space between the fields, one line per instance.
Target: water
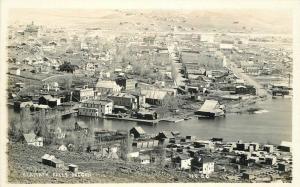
pixel 268 127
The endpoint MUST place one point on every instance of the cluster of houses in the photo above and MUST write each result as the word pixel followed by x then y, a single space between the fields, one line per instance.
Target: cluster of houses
pixel 196 71
pixel 185 153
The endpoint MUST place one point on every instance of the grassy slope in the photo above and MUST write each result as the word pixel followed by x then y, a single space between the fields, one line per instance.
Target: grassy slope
pixel 23 158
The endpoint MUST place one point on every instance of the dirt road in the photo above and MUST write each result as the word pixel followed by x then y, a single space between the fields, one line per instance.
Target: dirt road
pixel 260 91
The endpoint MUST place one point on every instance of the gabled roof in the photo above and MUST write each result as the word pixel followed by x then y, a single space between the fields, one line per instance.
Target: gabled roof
pixel 209 106
pixel 107 84
pixel 204 159
pixel 154 94
pixel 183 157
pixel 81 124
pixel 73 166
pixel 98 102
pixel 139 129
pixel 46 156
pixel 49 98
pixel 144 157
pixel 30 137
pixel 124 95
pixel 57 161
pixel 167 134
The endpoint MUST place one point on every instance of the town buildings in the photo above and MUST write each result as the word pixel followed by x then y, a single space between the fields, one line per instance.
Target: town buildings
pixel 83 94
pixel 96 108
pixel 107 87
pixel 49 100
pixel 154 97
pixel 125 99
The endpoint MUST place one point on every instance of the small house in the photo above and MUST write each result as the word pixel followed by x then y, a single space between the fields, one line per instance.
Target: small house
pixel 154 97
pixel 175 133
pixel 46 159
pixel 73 168
pixel 147 115
pixel 203 165
pixel 112 153
pixel 270 160
pixel 248 176
pixel 80 125
pixel 283 167
pixel 135 154
pixel 49 100
pixel 57 163
pixel 255 146
pixel 242 146
pixel 138 132
pixel 50 160
pixel 32 139
pixel 182 161
pixel 144 159
pixel 269 148
pixel 164 136
pixel 190 138
pixel 203 143
pixel 285 146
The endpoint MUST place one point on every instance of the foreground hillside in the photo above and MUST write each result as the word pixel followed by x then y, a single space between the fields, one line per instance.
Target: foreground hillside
pixel 24 166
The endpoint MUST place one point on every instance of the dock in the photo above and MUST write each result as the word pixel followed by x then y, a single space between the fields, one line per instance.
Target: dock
pixel 51 115
pixel 152 122
pixel 172 120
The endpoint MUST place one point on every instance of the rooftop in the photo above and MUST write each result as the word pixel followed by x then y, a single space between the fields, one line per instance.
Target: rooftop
pixel 154 94
pixel 107 84
pixel 209 105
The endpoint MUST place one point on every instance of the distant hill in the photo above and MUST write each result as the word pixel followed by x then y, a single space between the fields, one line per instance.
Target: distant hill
pixel 260 21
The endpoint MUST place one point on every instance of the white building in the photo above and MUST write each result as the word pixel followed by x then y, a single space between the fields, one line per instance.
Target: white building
pixel 203 165
pixel 83 94
pixel 32 139
pixel 208 167
pixel 96 108
pixel 183 162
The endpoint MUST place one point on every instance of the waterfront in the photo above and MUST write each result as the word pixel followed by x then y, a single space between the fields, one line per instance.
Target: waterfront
pixel 272 126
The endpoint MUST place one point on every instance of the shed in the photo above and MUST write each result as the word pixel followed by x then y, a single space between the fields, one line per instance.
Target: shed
pixel 46 159
pixel 137 132
pixel 164 135
pixel 248 176
pixel 73 168
pixel 282 167
pixel 57 163
pixel 144 159
pixel 175 133
pixel 80 125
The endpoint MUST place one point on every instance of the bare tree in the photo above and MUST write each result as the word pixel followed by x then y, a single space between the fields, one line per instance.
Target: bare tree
pixel 126 147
